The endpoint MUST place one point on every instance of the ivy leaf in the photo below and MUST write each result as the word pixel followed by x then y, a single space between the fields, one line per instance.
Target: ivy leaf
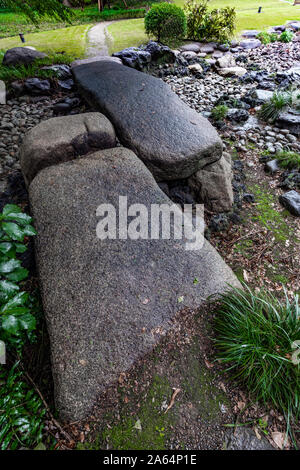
pixel 10 208
pixel 18 299
pixel 5 247
pixel 13 230
pixel 10 324
pixel 28 322
pixel 29 230
pixel 18 275
pixel 8 287
pixel 20 248
pixel 21 218
pixel 9 266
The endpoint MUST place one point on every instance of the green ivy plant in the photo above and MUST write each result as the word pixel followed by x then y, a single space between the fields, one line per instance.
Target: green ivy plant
pixel 16 318
pixel 22 411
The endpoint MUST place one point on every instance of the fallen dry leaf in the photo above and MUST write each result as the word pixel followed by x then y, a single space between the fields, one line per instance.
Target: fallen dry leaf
pixel 174 395
pixel 279 439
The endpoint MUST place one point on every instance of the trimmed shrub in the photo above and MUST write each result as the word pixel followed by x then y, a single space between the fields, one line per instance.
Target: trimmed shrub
pixel 213 25
pixel 166 22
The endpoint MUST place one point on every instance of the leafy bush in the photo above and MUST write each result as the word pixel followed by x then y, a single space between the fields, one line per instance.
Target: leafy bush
pixel 286 36
pixel 219 113
pixel 213 25
pixel 21 410
pixel 256 338
pixel 288 159
pixel 271 109
pixel 166 22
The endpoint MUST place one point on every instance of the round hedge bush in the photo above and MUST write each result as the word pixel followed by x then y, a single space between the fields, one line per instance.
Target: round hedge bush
pixel 166 22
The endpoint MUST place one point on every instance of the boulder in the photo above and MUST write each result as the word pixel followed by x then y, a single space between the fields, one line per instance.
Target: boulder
pixel 246 439
pixel 189 55
pixel 252 33
pixel 257 97
pixel 173 140
pixel 289 120
pixel 36 86
pixel 194 47
pixel 134 57
pixel 208 48
pixel 232 71
pixel 226 61
pixel 108 301
pixel 195 68
pixel 250 44
pixel 212 185
pixel 291 201
pixel 272 166
pixel 97 58
pixel 159 53
pixel 21 56
pixel 238 115
pixel 62 71
pixel 61 139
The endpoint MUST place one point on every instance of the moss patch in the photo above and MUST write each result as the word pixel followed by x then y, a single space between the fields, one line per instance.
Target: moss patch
pixel 268 215
pixel 138 418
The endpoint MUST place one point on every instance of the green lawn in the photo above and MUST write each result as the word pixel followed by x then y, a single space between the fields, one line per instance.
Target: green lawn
pixel 71 40
pixel 274 12
pixel 127 33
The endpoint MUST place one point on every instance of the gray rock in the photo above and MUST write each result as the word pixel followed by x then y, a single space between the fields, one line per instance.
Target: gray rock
pixel 291 201
pixel 252 33
pixel 159 53
pixel 272 166
pixel 36 86
pixel 194 47
pixel 173 140
pixel 246 439
pixel 108 302
pixel 232 71
pixel 207 48
pixel 289 120
pixel 237 115
pixel 189 55
pixel 63 138
pixel 262 96
pixel 21 56
pixel 226 61
pixel 98 58
pixel 134 57
pixel 63 71
pixel 250 44
pixel 212 185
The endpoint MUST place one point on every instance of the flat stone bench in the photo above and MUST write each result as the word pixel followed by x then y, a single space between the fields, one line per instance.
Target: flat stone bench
pixel 173 140
pixel 108 302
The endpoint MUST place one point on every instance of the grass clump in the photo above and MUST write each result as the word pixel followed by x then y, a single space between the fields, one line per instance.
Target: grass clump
pixel 271 109
pixel 287 159
pixel 258 336
pixel 266 37
pixel 219 112
pixel 22 72
pixel 286 36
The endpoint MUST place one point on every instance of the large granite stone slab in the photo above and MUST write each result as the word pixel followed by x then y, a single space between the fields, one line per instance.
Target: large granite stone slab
pixel 61 139
pixel 107 302
pixel 173 140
